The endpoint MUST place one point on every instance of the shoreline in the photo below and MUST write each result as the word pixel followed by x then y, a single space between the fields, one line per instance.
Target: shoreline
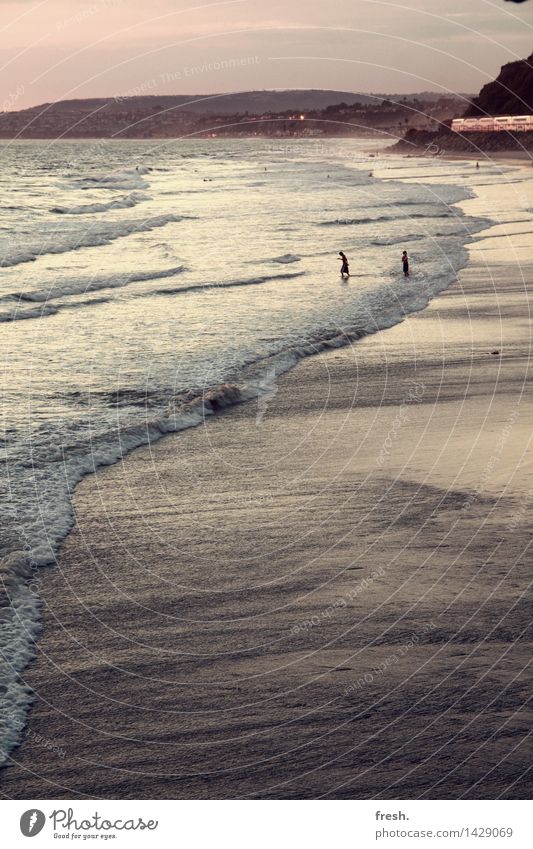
pixel 312 414
pixel 506 157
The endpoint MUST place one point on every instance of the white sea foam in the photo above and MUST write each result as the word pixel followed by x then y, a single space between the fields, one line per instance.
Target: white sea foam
pixel 19 628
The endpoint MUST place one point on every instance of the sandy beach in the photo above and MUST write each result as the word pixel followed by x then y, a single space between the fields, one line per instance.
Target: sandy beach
pixel 320 594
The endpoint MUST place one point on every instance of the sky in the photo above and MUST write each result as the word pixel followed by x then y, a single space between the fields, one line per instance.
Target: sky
pixel 58 49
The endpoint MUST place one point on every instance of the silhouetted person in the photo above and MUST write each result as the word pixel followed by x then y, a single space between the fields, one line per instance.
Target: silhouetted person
pixel 345 269
pixel 405 263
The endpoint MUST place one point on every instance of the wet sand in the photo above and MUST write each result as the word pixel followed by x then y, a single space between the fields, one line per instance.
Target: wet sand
pixel 321 594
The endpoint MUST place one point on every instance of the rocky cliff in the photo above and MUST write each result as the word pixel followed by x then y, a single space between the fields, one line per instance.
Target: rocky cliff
pixel 511 93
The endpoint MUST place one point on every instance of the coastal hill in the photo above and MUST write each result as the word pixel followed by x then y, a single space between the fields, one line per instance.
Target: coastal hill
pixel 269 113
pixel 511 93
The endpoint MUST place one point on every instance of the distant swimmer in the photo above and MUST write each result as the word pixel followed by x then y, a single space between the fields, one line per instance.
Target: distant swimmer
pixel 405 263
pixel 345 269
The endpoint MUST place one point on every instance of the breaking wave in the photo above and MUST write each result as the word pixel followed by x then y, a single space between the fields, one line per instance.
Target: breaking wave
pixel 88 209
pixel 99 234
pixel 209 287
pixel 350 222
pixel 82 285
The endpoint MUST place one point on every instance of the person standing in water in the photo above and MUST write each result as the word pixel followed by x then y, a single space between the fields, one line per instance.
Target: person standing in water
pixel 345 269
pixel 405 263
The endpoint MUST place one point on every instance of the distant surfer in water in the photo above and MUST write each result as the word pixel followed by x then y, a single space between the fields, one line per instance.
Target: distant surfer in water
pixel 345 269
pixel 405 263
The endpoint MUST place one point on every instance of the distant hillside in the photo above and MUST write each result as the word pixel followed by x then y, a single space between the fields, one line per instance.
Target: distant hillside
pixel 249 113
pixel 511 93
pixel 252 102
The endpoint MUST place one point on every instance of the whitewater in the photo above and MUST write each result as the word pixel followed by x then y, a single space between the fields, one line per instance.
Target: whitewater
pixel 145 285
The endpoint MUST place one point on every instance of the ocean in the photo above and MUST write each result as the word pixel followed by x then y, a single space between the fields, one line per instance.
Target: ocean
pixel 147 284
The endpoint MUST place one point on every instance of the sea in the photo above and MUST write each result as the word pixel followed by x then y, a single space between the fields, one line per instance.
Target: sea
pixel 145 285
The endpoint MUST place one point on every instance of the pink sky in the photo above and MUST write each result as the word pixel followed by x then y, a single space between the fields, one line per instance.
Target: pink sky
pixel 55 49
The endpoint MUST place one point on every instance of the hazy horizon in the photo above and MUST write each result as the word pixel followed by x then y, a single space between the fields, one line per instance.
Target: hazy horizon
pixel 57 50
